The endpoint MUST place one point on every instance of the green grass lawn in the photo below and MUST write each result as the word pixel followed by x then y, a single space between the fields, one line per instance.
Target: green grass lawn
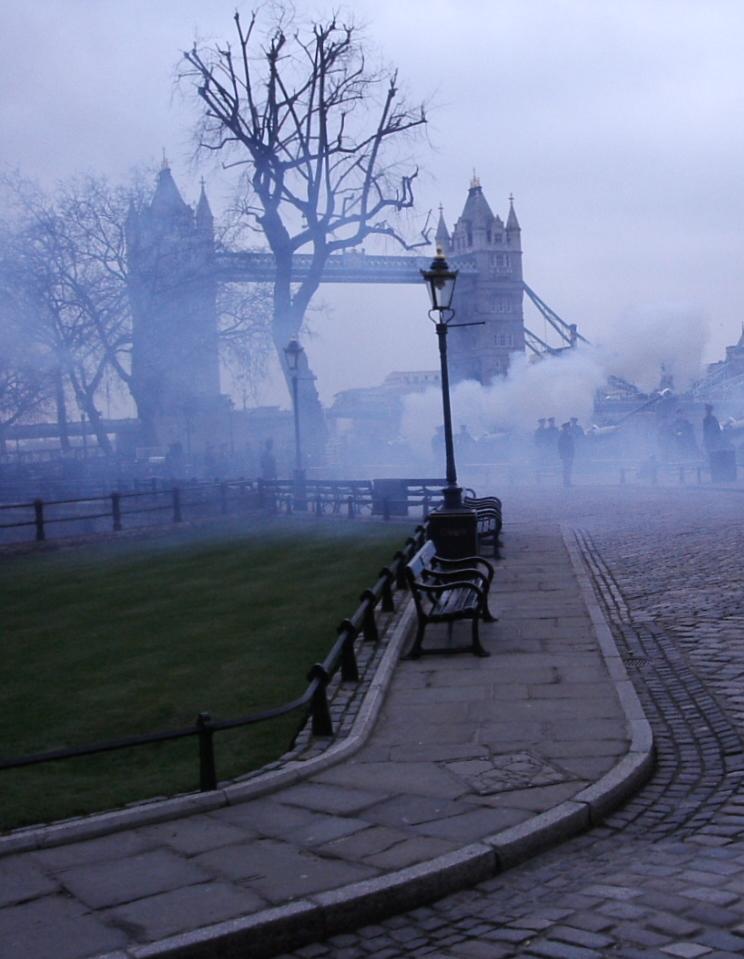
pixel 129 637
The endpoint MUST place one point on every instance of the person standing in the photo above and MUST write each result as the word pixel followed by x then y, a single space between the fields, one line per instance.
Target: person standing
pixel 551 435
pixel 711 430
pixel 268 461
pixel 566 449
pixel 539 438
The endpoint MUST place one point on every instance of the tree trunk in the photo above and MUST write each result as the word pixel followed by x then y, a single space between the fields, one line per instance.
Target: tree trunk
pixel 96 421
pixel 59 396
pixel 286 326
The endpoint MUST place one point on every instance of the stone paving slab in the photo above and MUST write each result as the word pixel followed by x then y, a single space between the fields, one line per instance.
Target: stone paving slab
pixel 472 764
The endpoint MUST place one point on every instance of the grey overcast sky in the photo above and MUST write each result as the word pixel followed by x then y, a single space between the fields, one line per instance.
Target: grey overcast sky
pixel 617 124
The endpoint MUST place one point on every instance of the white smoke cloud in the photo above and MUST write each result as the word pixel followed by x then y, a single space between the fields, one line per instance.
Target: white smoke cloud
pixel 564 386
pixel 647 338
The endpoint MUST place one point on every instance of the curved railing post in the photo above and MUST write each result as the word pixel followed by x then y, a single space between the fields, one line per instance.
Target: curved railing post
pixel 349 666
pixel 388 605
pixel 116 511
pixel 400 561
pixel 322 724
pixel 207 768
pixel 39 520
pixel 369 624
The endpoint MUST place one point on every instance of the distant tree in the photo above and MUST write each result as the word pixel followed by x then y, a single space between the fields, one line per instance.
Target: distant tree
pixel 244 315
pixel 25 383
pixel 315 127
pixel 64 272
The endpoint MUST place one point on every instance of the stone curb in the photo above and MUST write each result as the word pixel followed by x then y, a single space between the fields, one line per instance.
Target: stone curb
pixel 636 766
pixel 318 917
pixel 161 810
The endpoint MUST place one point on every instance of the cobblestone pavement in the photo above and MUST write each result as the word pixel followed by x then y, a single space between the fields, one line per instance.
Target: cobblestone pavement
pixel 664 875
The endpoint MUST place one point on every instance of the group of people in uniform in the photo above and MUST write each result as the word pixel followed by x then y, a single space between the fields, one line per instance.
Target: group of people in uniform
pixel 676 439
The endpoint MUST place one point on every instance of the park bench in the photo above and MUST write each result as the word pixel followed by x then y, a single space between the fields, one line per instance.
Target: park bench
pixel 488 512
pixel 448 590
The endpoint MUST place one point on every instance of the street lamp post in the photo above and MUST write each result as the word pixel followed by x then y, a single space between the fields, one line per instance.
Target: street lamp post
pixel 453 527
pixel 292 353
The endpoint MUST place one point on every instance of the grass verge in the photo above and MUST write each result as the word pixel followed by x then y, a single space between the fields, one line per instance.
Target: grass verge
pixel 123 638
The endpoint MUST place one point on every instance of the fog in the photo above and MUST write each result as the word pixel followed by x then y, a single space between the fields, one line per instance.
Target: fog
pixel 618 127
pixel 564 386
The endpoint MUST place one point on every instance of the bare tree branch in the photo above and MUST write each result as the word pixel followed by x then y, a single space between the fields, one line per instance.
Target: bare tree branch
pixel 318 131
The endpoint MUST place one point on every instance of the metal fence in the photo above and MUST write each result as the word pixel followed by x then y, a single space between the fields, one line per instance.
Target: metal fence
pixel 313 703
pixel 385 498
pixel 117 511
pixel 42 519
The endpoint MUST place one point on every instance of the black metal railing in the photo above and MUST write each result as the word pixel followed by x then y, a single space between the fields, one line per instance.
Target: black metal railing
pixel 158 504
pixel 354 497
pixel 127 510
pixel 313 703
pixel 649 472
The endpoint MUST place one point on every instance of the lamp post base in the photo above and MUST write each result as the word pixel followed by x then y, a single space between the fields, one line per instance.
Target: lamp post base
pixel 454 531
pixel 299 491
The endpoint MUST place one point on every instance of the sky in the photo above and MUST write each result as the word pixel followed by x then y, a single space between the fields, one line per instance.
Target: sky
pixel 618 127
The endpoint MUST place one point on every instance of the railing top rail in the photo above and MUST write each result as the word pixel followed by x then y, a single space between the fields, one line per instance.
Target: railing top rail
pixel 81 499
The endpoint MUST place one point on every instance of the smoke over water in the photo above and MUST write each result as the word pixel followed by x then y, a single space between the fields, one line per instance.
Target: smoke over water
pixel 642 342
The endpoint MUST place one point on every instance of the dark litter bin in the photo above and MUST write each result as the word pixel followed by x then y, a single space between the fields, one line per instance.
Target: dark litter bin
pixel 723 466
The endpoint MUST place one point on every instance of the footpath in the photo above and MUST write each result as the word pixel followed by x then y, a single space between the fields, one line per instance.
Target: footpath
pixel 456 767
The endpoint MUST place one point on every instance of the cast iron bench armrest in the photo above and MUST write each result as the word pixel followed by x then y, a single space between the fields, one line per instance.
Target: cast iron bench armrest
pixel 439 588
pixel 464 563
pixel 464 575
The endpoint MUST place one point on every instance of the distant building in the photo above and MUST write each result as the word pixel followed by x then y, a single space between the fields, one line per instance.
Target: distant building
pixel 488 253
pixel 733 365
pixel 172 292
pixel 378 408
pixel 724 380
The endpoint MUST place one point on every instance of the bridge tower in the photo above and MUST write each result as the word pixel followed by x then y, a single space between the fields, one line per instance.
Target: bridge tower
pixel 173 291
pixel 489 289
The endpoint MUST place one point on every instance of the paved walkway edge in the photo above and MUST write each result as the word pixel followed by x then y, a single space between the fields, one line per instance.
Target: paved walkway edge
pixel 161 810
pixel 318 917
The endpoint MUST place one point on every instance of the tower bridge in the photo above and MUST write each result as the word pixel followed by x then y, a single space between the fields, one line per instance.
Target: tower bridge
pixel 175 269
pixel 351 267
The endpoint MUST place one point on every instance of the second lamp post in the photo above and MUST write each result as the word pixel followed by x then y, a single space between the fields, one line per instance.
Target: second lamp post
pixel 292 353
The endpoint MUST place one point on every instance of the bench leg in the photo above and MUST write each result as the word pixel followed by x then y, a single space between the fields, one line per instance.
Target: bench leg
pixel 478 650
pixel 488 616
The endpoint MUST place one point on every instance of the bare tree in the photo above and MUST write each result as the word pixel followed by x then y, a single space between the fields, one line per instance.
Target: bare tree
pixel 316 128
pixel 64 278
pixel 244 315
pixel 25 383
pixel 66 284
